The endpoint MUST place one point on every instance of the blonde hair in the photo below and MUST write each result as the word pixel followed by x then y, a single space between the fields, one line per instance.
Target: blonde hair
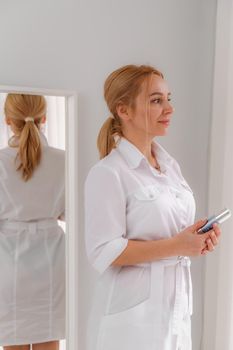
pixel 18 107
pixel 121 86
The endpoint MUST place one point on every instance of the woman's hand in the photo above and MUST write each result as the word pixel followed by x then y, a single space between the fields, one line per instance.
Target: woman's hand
pixel 213 239
pixel 188 242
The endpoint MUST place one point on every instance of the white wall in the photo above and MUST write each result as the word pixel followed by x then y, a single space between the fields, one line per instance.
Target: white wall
pixel 68 44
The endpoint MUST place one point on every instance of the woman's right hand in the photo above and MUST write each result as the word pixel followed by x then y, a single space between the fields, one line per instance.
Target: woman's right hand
pixel 189 243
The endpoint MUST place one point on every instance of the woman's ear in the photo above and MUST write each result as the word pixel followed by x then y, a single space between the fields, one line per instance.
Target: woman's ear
pixel 43 119
pixel 123 111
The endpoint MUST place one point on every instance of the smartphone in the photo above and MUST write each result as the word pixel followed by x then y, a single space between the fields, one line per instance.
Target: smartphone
pixel 220 218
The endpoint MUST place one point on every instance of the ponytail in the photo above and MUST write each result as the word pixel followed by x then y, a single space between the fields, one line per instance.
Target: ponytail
pixel 25 113
pixel 106 138
pixel 29 153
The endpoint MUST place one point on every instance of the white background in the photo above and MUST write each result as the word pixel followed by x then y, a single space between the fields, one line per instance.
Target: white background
pixel 67 44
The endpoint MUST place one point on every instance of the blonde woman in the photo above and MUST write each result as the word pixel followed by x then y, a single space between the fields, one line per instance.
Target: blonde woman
pixel 32 245
pixel 140 229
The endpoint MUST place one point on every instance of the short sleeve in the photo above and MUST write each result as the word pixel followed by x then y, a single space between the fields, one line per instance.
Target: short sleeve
pixel 105 217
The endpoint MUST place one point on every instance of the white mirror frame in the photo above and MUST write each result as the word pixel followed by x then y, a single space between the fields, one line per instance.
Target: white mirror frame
pixel 71 174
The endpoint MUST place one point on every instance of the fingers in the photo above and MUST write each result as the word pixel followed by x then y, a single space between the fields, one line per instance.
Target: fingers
pixel 204 251
pixel 211 239
pixel 210 246
pixel 217 230
pixel 206 235
pixel 198 225
pixel 214 234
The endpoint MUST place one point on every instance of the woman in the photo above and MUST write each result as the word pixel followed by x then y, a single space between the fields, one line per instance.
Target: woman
pixel 32 245
pixel 139 223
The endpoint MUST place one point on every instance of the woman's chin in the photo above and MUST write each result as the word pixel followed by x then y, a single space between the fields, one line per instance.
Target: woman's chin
pixel 161 133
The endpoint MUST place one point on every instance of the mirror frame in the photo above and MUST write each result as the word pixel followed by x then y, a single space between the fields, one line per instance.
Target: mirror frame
pixel 71 183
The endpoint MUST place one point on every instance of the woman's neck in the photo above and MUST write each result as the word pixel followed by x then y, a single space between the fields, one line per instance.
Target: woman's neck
pixel 144 145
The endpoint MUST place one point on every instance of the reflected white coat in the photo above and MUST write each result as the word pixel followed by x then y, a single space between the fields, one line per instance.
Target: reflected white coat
pixel 142 306
pixel 32 250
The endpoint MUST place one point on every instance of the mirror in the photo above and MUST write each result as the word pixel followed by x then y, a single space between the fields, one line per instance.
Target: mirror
pixel 32 226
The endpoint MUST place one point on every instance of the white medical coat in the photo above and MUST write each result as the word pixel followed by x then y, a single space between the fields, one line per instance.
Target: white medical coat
pixel 32 249
pixel 143 306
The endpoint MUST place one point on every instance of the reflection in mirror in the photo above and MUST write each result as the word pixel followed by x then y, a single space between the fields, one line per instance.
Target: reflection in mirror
pixel 32 222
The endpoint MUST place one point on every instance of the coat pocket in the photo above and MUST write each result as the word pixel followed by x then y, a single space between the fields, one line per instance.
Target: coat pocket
pixel 148 193
pixel 131 287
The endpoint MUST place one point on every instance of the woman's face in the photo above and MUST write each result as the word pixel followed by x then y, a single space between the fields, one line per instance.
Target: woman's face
pixel 152 110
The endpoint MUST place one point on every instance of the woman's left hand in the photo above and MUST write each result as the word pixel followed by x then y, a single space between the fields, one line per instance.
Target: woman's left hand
pixel 212 240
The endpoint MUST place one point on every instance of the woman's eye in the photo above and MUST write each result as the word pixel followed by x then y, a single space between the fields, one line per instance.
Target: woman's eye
pixel 156 100
pixel 159 100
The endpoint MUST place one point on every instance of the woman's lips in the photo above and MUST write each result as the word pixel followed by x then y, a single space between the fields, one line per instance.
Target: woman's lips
pixel 165 122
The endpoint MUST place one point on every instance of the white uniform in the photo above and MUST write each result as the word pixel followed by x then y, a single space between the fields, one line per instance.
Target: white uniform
pixel 143 306
pixel 32 250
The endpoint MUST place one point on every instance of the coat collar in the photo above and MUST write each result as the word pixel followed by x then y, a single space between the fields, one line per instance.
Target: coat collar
pixel 134 157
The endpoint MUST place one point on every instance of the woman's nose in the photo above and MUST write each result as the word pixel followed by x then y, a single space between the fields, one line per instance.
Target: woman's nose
pixel 168 108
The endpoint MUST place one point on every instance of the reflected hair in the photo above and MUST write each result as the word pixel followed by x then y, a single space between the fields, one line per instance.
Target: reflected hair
pixel 121 87
pixel 17 107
